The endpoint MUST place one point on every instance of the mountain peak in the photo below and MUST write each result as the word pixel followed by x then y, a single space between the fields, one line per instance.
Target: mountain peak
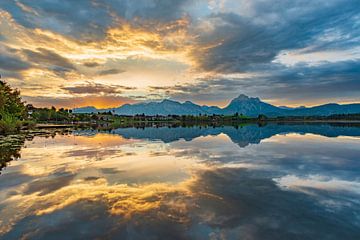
pixel 242 97
pixel 189 103
pixel 168 101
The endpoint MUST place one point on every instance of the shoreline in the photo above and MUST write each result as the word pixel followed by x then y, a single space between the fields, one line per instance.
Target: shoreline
pixel 249 121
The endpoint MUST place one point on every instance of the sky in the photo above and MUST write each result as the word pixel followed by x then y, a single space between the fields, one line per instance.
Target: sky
pixel 105 53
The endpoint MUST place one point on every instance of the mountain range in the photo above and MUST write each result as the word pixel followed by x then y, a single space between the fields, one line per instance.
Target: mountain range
pixel 248 106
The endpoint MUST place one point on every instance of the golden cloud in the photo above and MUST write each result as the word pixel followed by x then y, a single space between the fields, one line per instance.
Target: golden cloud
pixel 56 58
pixel 121 199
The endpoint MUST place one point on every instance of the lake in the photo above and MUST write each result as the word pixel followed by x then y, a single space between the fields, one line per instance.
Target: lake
pixel 247 182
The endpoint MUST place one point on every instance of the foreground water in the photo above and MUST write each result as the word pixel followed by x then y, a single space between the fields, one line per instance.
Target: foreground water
pixel 271 182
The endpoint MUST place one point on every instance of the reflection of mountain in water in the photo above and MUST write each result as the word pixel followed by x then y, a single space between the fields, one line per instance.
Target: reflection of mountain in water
pixel 243 136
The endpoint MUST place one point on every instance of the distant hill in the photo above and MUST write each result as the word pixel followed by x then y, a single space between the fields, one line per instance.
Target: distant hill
pixel 326 110
pixel 243 104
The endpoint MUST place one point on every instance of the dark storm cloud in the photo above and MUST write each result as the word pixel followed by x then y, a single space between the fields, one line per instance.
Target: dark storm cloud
pixel 112 71
pixel 96 88
pixel 248 41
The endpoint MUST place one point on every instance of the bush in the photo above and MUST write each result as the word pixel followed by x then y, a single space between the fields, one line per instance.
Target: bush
pixel 9 123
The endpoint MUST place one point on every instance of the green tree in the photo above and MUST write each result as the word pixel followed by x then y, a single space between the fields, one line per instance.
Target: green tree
pixel 10 102
pixel 12 109
pixel 262 117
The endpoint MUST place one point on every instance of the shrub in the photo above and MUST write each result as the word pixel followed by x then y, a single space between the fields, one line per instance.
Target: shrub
pixel 9 123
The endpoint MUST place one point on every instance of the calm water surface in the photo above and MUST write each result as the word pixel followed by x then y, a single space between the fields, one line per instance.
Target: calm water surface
pixel 271 182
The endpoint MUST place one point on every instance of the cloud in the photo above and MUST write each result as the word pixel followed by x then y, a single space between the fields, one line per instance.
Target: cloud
pixel 286 48
pixel 13 63
pixel 91 64
pixel 81 19
pixel 96 89
pixel 244 41
pixel 102 101
pixel 89 20
pixel 110 72
pixel 162 10
pixel 44 56
pixel 308 84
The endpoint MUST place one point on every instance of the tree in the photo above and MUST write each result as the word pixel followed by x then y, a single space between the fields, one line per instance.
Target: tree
pixel 12 109
pixel 262 117
pixel 10 102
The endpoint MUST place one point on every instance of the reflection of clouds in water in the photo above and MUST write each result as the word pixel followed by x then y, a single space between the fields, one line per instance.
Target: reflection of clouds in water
pixel 217 202
pixel 123 200
pixel 282 155
pixel 96 147
pixel 97 153
pixel 332 193
pixel 318 182
pixel 138 158
pixel 250 204
pixel 99 139
pixel 204 188
pixel 48 185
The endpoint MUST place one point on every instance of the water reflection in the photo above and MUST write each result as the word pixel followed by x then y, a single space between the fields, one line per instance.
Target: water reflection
pixel 300 182
pixel 242 135
pixel 10 147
